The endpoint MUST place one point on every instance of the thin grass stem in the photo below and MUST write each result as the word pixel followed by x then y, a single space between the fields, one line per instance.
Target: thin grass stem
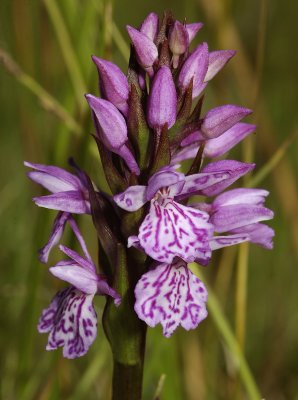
pixel 68 52
pixel 47 101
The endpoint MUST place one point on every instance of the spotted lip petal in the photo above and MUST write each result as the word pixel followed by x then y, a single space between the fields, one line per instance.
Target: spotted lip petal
pixel 171 229
pixel 171 295
pixel 71 322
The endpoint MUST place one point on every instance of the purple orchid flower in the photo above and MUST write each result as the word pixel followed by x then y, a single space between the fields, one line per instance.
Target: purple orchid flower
pixel 171 229
pixel 70 319
pixel 213 147
pixel 195 68
pixel 170 294
pixel 239 212
pixel 69 192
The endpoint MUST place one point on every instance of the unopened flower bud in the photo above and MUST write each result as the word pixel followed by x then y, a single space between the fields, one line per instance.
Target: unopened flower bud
pixel 195 67
pixel 178 41
pixel 162 101
pixel 113 84
pixel 146 51
pixel 150 26
pixel 111 129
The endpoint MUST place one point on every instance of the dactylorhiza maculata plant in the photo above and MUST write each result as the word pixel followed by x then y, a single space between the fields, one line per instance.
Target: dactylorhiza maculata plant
pixel 150 227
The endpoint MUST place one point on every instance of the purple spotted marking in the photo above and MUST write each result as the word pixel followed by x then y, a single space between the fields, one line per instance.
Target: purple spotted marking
pixel 171 295
pixel 171 229
pixel 71 322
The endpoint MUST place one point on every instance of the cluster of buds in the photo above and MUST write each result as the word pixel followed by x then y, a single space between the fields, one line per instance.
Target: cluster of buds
pixel 145 124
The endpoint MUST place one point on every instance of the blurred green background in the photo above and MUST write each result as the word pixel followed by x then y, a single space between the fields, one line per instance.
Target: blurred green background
pixel 45 64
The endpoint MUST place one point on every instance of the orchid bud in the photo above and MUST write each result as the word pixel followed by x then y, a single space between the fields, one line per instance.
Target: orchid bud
pixel 113 84
pixel 178 41
pixel 150 26
pixel 217 60
pixel 220 119
pixel 193 29
pixel 111 129
pixel 162 101
pixel 195 67
pixel 146 51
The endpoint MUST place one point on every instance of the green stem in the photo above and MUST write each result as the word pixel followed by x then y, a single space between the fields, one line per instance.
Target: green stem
pixel 48 102
pixel 125 331
pixel 68 53
pixel 127 381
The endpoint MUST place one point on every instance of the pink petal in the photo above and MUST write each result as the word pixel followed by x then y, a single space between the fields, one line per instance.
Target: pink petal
pixel 165 178
pixel 171 295
pixel 81 278
pixel 71 322
pixel 235 216
pixel 171 229
pixel 132 198
pixel 217 242
pixel 55 236
pixel 71 201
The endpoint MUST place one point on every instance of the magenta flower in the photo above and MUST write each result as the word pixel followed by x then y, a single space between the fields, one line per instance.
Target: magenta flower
pixel 171 229
pixel 170 294
pixel 239 212
pixel 69 192
pixel 213 147
pixel 70 319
